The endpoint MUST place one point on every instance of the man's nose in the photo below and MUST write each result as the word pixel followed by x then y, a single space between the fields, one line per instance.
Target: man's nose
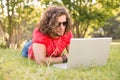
pixel 62 26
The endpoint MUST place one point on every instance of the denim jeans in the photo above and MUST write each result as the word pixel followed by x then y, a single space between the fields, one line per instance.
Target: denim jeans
pixel 25 48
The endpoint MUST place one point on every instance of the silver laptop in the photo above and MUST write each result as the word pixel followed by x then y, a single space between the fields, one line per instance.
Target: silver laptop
pixel 87 52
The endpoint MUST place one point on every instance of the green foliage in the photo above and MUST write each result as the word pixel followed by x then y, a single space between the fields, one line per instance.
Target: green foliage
pixel 47 3
pixel 117 32
pixel 110 4
pixel 112 26
pixel 87 13
pixel 3 45
pixel 14 67
pixel 21 17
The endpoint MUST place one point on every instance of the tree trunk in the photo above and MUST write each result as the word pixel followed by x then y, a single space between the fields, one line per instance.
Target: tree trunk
pixel 76 27
pixel 86 28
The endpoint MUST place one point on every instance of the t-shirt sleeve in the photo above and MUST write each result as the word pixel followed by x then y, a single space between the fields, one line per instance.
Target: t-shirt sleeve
pixel 68 36
pixel 38 37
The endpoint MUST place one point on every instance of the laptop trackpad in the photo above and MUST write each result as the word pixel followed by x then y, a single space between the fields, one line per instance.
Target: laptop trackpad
pixel 61 65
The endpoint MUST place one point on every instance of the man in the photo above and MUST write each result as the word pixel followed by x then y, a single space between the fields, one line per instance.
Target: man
pixel 51 36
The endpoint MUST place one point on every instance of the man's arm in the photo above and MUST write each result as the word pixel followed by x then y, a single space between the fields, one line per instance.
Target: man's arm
pixel 40 55
pixel 67 48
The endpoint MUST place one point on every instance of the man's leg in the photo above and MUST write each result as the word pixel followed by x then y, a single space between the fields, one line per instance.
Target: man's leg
pixel 25 49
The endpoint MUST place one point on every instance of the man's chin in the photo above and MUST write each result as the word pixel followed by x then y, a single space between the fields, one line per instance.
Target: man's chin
pixel 59 35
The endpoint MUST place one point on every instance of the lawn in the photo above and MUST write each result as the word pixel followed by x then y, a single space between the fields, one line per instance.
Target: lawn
pixel 14 67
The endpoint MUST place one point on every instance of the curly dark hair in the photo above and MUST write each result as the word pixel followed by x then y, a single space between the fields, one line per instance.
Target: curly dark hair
pixel 48 22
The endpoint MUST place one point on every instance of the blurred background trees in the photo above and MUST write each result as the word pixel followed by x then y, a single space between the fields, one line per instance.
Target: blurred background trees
pixel 91 18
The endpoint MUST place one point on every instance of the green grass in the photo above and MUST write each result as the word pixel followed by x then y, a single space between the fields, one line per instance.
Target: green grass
pixel 14 67
pixel 118 40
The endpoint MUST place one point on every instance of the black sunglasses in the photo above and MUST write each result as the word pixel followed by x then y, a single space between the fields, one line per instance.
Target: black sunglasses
pixel 63 23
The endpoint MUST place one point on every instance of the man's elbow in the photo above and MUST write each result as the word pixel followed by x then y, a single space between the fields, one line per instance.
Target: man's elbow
pixel 38 62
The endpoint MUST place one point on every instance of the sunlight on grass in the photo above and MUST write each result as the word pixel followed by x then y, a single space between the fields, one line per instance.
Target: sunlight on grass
pixel 14 67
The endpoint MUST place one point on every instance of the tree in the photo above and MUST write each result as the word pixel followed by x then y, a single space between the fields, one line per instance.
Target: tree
pixel 21 16
pixel 87 14
pixel 112 27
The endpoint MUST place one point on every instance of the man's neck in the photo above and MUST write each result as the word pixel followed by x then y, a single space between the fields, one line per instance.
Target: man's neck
pixel 55 36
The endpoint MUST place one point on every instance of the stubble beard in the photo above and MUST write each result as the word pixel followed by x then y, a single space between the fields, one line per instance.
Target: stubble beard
pixel 58 35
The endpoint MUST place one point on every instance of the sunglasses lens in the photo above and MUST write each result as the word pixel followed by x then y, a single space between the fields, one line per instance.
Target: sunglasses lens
pixel 63 23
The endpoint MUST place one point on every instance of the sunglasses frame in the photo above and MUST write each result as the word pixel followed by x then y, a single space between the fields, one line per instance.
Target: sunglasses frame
pixel 63 23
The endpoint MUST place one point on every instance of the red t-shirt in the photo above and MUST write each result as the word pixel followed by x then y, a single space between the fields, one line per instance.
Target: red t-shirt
pixel 54 47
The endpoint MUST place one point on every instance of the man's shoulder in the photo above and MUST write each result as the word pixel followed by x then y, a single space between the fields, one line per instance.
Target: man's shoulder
pixel 39 35
pixel 38 32
pixel 68 34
